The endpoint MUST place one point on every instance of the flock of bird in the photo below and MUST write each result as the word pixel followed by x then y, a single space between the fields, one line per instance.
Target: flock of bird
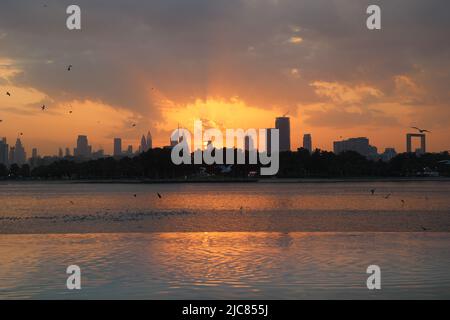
pixel 387 196
pixel 44 107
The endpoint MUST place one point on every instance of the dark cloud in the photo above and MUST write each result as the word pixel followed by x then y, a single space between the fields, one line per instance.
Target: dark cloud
pixel 189 49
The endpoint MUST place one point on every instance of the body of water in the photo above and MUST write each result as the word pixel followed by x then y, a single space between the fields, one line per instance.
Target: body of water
pixel 225 241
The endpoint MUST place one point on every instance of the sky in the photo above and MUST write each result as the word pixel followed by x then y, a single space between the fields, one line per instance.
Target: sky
pixel 232 63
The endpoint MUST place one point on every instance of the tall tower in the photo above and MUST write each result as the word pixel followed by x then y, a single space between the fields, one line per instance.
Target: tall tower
pixel 307 142
pixel 284 126
pixel 4 152
pixel 117 147
pixel 19 153
pixel 83 149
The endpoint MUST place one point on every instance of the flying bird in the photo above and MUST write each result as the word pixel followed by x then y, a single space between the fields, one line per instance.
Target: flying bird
pixel 387 196
pixel 421 130
pixel 423 228
pixel 43 107
pixel 403 202
pixel 8 94
pixel 372 191
pixel 135 195
pixel 134 125
pixel 159 196
pixel 69 67
pixel 70 111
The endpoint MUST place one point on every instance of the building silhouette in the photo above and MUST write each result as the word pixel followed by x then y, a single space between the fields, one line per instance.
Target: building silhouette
pixel 17 154
pixel 307 142
pixel 129 151
pixel 117 147
pixel 4 148
pixel 360 145
pixel 34 153
pixel 388 154
pixel 146 143
pixel 269 140
pixel 98 154
pixel 83 149
pixel 67 154
pixel 423 147
pixel 284 127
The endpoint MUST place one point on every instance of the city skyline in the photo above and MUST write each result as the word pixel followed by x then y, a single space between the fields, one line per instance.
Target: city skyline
pixel 224 69
pixel 17 153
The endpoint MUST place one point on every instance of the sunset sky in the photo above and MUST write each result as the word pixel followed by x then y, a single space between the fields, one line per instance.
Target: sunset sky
pixel 232 63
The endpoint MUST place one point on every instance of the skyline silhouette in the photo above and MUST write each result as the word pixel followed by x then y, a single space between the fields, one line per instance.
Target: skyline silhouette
pixel 228 68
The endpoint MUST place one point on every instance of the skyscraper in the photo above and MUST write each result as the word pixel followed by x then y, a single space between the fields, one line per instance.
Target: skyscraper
pixel 4 148
pixel 269 140
pixel 67 154
pixel 117 147
pixel 34 153
pixel 307 142
pixel 60 153
pixel 83 149
pixel 284 127
pixel 143 146
pixel 146 143
pixel 19 155
pixel 149 141
pixel 130 150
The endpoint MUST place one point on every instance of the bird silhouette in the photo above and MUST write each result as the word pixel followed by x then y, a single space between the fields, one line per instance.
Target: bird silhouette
pixel 135 195
pixel 8 94
pixel 134 125
pixel 69 67
pixel 421 130
pixel 159 196
pixel 387 196
pixel 403 202
pixel 372 191
pixel 423 228
pixel 70 111
pixel 43 107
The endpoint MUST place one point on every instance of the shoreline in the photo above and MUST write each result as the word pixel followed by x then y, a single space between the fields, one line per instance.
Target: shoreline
pixel 212 181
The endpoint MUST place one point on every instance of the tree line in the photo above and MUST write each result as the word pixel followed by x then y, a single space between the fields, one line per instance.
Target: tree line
pixel 156 164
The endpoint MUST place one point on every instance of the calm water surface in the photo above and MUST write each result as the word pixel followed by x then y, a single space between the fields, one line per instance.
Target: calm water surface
pixel 203 263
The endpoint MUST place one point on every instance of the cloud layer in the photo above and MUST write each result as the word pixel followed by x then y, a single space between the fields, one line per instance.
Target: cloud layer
pixel 313 57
